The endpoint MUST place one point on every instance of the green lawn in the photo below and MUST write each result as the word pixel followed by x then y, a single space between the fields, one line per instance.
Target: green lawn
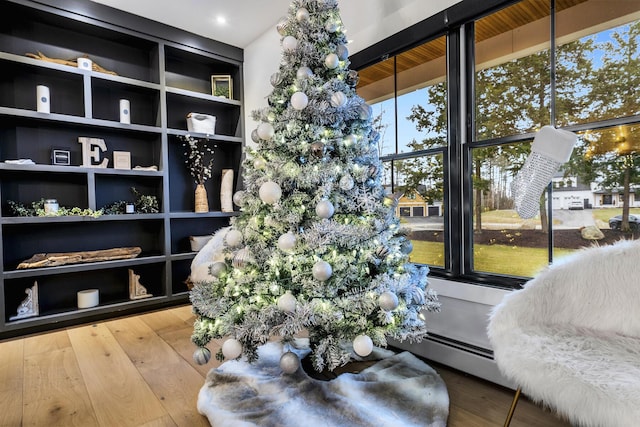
pixel 605 213
pixel 500 259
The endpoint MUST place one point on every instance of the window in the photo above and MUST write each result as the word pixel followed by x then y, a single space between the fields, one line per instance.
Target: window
pixel 460 108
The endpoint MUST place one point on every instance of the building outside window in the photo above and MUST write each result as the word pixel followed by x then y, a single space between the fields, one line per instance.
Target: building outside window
pixel 457 123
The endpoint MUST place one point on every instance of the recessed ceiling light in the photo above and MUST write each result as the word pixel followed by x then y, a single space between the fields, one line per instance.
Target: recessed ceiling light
pixel 221 20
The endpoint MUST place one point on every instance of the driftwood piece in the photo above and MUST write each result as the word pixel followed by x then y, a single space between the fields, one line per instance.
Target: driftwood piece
pixel 55 259
pixel 70 62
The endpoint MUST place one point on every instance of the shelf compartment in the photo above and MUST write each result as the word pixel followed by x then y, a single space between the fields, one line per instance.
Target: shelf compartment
pixel 182 186
pixel 23 138
pixel 144 102
pixel 227 114
pixel 113 188
pixel 24 29
pixel 57 293
pixel 69 189
pixel 192 71
pixel 180 271
pixel 181 229
pixel 26 240
pixel 18 83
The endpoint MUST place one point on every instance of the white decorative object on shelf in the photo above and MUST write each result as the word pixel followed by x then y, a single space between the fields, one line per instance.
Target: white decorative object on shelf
pixel 201 123
pixel 136 290
pixel 226 190
pixel 91 148
pixel 125 111
pixel 198 242
pixel 44 101
pixel 88 298
pixel 29 307
pixel 122 160
pixel 85 64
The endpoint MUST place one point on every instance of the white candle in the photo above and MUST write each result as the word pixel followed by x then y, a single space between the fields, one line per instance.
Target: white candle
pixel 44 103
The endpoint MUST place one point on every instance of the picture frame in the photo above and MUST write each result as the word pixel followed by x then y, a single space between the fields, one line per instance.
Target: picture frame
pixel 60 156
pixel 122 160
pixel 222 85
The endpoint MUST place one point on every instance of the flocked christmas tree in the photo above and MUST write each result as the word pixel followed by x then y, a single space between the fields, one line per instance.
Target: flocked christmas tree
pixel 317 247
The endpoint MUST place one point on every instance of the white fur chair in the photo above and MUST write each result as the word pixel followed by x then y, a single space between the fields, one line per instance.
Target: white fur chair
pixel 570 338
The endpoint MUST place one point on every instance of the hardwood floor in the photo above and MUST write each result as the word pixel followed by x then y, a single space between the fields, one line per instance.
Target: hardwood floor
pixel 138 371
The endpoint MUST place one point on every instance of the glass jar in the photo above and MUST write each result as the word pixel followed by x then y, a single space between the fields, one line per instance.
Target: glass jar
pixel 50 206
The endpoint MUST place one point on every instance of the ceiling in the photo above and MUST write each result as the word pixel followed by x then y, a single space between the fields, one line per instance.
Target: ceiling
pixel 246 20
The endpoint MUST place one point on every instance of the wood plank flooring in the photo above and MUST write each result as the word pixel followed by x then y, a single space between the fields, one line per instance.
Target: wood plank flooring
pixel 138 371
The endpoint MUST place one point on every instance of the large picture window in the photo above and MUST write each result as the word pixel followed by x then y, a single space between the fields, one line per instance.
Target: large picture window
pixel 458 126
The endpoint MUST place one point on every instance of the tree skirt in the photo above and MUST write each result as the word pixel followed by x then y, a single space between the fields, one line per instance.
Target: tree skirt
pixel 399 390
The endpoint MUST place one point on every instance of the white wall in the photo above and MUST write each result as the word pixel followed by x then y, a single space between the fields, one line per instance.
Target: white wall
pixel 465 308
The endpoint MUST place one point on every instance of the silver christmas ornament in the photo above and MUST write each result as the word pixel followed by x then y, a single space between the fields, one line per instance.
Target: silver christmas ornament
pixel 259 163
pixel 202 355
pixel 231 349
pixel 276 79
pixel 331 61
pixel 331 26
pixel 343 52
pixel 304 73
pixel 233 238
pixel 299 101
pixel 350 140
pixel 346 183
pixel 406 247
pixel 254 136
pixel 338 99
pixel 242 258
pixel 289 362
pixel 302 15
pixel 270 192
pixel 283 26
pixel 362 345
pixel 365 111
pixel 388 301
pixel 287 302
pixel 322 271
pixel 266 131
pixel 373 170
pixel 287 242
pixel 325 209
pixel 238 197
pixel 289 43
pixel 217 268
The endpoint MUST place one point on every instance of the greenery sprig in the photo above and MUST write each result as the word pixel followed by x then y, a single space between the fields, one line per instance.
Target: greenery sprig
pixel 37 209
pixel 143 204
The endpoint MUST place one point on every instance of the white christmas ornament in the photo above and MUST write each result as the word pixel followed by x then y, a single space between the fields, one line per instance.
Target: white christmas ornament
pixel 289 362
pixel 231 348
pixel 259 163
pixel 388 301
pixel 322 271
pixel 299 100
pixel 287 242
pixel 331 26
pixel 217 268
pixel 346 183
pixel 202 355
pixel 350 139
pixel 331 61
pixel 266 131
pixel 303 73
pixel 362 345
pixel 365 111
pixel 302 15
pixel 325 209
pixel 287 302
pixel 233 238
pixel 289 43
pixel 270 192
pixel 338 99
pixel 242 258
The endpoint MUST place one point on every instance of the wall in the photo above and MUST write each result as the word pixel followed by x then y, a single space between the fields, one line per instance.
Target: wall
pixel 465 307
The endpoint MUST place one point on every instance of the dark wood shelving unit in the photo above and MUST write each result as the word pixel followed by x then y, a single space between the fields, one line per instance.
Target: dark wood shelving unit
pixel 165 73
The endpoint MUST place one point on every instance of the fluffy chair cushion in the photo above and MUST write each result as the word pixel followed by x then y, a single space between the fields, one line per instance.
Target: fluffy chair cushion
pixel 571 337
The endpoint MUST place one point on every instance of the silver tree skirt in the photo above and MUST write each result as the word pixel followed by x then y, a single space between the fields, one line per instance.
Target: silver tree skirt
pixel 398 390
